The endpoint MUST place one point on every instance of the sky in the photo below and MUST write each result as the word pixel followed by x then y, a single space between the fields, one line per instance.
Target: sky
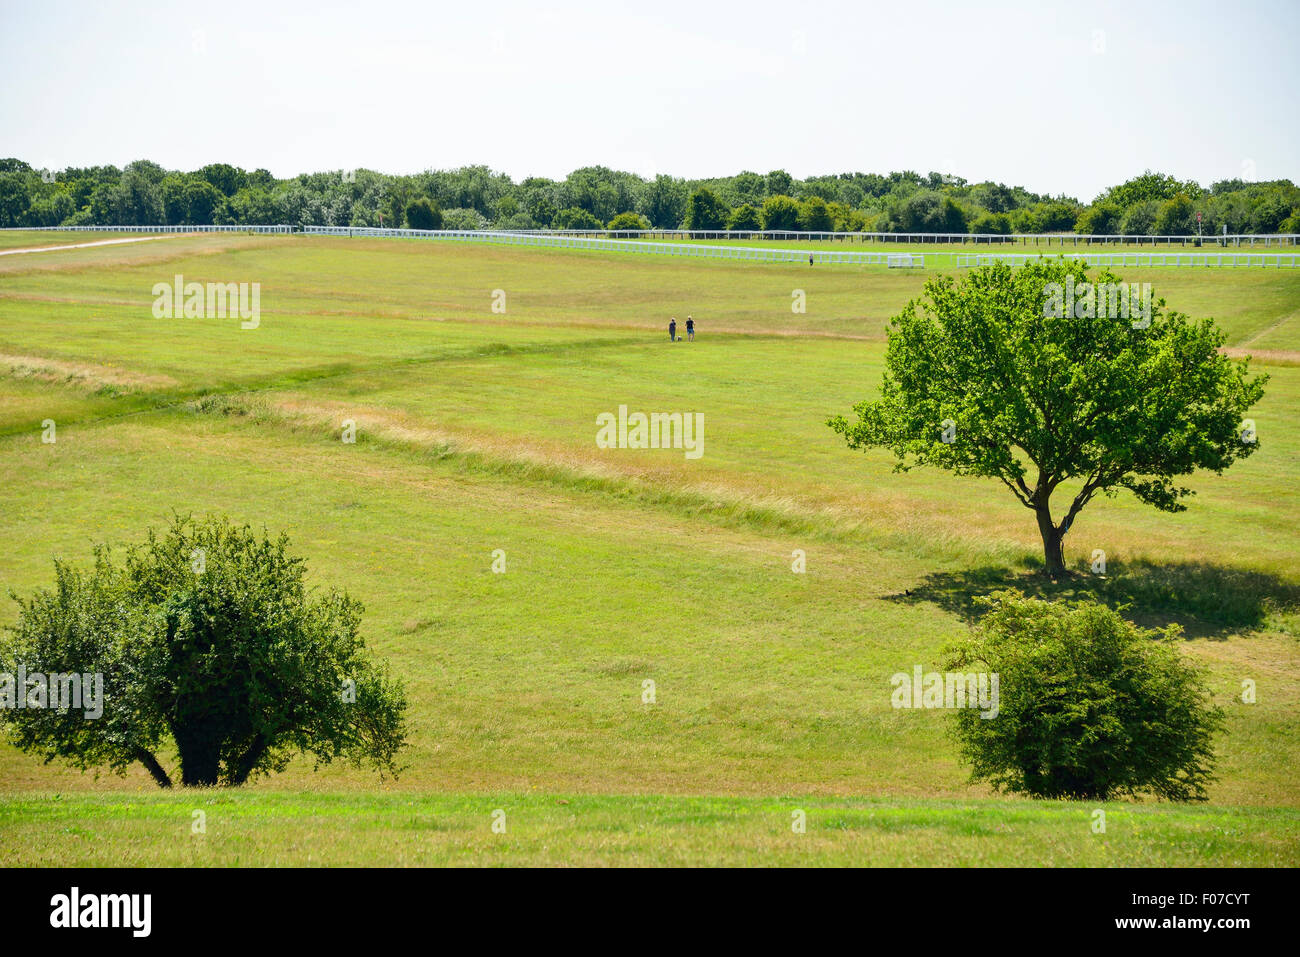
pixel 1053 96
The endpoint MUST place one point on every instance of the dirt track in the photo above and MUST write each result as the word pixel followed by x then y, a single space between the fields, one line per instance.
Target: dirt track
pixel 101 242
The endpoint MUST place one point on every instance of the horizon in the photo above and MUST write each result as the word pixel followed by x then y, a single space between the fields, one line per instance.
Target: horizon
pixel 518 180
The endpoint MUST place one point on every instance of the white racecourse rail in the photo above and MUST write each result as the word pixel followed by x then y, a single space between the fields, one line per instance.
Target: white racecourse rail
pixel 688 250
pixel 993 239
pixel 1278 260
pixel 577 239
pixel 150 229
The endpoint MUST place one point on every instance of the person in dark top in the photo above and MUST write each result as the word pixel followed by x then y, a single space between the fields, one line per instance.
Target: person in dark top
pixel 810 259
pixel 672 330
pixel 690 329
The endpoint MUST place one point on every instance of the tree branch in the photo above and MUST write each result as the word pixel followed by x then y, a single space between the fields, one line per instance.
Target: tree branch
pixel 1023 499
pixel 151 763
pixel 249 759
pixel 1098 481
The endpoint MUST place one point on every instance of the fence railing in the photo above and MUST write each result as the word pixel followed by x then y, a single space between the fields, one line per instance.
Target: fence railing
pixel 624 241
pixel 152 229
pixel 686 250
pixel 1025 239
pixel 1277 260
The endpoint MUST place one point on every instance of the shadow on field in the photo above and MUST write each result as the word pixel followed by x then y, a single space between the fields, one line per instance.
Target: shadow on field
pixel 1208 601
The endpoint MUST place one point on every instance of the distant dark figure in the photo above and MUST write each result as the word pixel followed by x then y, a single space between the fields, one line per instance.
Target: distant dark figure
pixel 672 330
pixel 690 329
pixel 810 259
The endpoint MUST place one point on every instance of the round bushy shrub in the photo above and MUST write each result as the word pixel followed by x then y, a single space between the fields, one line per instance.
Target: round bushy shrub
pixel 1090 705
pixel 629 220
pixel 745 217
pixel 780 212
pixel 463 218
pixel 576 218
pixel 995 223
pixel 423 214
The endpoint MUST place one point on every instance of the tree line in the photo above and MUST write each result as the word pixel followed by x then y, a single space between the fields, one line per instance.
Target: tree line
pixel 595 197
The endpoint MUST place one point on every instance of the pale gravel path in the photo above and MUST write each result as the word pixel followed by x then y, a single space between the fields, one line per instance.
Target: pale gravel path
pixel 101 242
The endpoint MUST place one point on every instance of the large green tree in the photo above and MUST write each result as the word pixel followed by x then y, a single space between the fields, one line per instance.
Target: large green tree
pixel 423 214
pixel 1103 219
pixel 1024 376
pixel 664 202
pixel 929 211
pixel 705 210
pixel 1147 187
pixel 745 217
pixel 780 213
pixel 229 179
pixel 1175 217
pixel 815 215
pixel 206 636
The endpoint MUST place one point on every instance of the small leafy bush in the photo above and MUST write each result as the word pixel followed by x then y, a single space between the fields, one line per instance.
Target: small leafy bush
pixel 1091 706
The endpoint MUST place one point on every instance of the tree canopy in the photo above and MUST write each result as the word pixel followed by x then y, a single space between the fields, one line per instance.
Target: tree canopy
pixel 422 214
pixel 1090 707
pixel 144 193
pixel 1045 379
pixel 205 637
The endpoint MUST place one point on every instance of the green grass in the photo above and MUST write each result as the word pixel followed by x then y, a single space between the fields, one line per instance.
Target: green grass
pixel 34 238
pixel 383 830
pixel 476 432
pixel 386 297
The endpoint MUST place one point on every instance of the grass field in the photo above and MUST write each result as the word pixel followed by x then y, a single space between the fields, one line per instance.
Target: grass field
pixel 944 254
pixel 36 238
pixel 262 829
pixel 475 432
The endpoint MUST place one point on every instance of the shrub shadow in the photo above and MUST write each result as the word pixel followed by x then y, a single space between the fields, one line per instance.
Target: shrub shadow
pixel 1208 601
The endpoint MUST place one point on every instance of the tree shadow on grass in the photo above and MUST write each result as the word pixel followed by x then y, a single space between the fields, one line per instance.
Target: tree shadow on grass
pixel 1208 601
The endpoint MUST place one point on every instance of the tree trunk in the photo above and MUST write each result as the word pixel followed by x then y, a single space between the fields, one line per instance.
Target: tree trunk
pixel 200 759
pixel 1053 550
pixel 151 763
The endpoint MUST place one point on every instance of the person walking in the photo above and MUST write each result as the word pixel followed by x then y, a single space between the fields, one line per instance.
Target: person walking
pixel 690 329
pixel 672 329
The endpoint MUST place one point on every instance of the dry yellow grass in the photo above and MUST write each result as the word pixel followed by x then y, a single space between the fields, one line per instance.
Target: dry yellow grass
pixel 82 375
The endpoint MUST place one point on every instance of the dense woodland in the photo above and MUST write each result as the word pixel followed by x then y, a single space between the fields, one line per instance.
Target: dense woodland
pixel 474 197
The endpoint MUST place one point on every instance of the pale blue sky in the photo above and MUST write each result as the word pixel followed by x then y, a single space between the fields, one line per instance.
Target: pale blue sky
pixel 1057 97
